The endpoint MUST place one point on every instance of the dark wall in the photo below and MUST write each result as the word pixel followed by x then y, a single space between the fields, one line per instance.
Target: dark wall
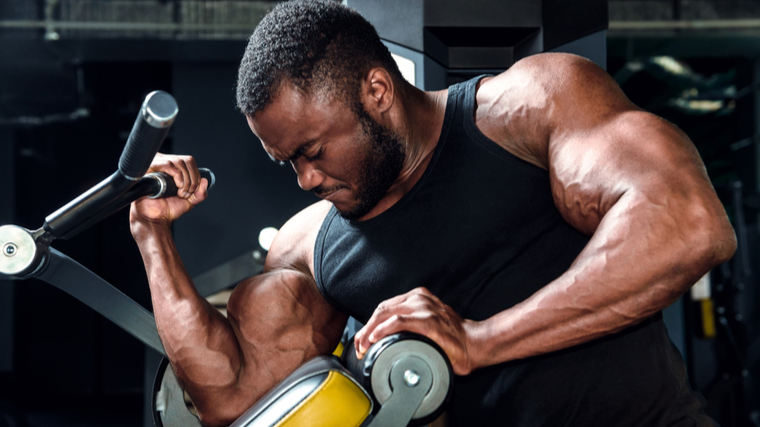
pixel 7 190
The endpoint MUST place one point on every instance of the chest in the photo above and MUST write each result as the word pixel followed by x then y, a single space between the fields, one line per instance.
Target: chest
pixel 463 229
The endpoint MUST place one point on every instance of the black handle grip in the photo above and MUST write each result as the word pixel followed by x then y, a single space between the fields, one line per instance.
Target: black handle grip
pixel 169 188
pixel 155 185
pixel 151 126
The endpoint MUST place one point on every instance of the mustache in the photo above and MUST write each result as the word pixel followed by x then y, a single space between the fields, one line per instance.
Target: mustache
pixel 321 190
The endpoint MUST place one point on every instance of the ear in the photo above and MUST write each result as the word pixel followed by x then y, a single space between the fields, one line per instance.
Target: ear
pixel 378 92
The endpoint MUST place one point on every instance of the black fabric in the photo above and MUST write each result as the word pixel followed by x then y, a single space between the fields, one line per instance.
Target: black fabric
pixel 481 231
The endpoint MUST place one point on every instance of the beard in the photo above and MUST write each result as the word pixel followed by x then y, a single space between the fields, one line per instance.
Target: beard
pixel 380 167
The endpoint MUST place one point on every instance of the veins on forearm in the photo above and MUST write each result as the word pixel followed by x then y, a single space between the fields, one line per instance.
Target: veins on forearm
pixel 630 269
pixel 189 327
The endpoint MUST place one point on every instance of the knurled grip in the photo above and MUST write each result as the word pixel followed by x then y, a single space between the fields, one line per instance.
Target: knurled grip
pixel 151 126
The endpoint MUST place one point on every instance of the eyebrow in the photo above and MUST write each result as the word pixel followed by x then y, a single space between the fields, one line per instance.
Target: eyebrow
pixel 296 154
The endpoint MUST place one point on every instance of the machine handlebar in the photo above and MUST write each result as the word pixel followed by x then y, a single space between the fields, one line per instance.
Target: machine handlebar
pixel 151 126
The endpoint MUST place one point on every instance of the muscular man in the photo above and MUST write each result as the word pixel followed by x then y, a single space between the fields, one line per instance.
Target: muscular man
pixel 533 224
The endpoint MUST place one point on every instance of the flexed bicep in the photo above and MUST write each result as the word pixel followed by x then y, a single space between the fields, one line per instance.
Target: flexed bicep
pixel 282 321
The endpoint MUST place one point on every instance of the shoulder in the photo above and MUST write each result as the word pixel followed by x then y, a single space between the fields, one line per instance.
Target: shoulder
pixel 521 108
pixel 293 247
pixel 547 74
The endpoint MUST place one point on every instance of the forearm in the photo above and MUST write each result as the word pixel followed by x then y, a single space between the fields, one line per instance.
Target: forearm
pixel 640 260
pixel 198 340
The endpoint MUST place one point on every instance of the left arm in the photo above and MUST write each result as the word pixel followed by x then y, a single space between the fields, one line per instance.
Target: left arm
pixel 631 180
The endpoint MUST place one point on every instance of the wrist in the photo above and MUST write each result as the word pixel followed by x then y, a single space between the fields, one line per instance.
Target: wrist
pixel 477 342
pixel 143 228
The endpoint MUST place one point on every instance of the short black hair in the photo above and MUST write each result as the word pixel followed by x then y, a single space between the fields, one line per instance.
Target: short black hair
pixel 311 43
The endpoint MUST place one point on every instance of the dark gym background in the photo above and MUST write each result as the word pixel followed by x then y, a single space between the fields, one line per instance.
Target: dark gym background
pixel 74 72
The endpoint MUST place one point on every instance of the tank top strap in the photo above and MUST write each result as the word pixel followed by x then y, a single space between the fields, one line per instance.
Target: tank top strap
pixel 468 94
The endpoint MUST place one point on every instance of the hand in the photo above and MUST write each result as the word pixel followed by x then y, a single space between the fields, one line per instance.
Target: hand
pixel 191 190
pixel 422 312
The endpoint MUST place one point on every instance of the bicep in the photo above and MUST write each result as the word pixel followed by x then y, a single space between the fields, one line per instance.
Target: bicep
pixel 281 321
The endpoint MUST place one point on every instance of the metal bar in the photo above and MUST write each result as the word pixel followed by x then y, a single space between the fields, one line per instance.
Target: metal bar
pixel 125 26
pixel 742 237
pixel 719 24
pixel 84 285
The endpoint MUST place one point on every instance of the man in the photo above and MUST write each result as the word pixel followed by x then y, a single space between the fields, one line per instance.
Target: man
pixel 533 224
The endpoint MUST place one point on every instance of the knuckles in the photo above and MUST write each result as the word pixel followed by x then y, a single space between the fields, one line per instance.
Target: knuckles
pixel 188 160
pixel 170 160
pixel 421 290
pixel 383 306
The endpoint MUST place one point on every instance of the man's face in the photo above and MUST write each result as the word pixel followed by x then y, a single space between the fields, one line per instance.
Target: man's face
pixel 340 154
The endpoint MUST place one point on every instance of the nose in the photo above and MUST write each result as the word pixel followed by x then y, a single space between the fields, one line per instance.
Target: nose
pixel 308 176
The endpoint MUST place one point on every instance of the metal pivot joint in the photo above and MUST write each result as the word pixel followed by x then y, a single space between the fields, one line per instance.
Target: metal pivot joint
pixel 409 376
pixel 411 379
pixel 23 253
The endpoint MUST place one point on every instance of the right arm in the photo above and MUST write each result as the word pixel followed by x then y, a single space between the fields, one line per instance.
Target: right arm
pixel 277 320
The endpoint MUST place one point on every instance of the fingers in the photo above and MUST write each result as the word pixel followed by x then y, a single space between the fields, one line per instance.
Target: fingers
pixel 191 190
pixel 200 193
pixel 182 169
pixel 421 312
pixel 176 173
pixel 181 206
pixel 193 176
pixel 418 300
pixel 404 323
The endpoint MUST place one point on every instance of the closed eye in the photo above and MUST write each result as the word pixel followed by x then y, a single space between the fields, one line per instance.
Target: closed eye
pixel 315 157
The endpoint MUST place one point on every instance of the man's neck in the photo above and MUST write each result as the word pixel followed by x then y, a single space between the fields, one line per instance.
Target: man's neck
pixel 418 119
pixel 423 114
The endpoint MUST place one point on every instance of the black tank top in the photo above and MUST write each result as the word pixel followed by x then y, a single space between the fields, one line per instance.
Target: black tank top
pixel 480 230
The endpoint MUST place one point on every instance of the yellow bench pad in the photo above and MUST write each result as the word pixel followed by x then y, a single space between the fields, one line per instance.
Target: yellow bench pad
pixel 337 402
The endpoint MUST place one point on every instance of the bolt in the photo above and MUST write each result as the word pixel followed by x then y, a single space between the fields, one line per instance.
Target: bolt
pixel 721 310
pixel 10 249
pixel 411 378
pixel 257 255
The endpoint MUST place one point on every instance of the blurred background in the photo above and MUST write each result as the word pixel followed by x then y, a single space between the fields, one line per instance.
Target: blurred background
pixel 73 74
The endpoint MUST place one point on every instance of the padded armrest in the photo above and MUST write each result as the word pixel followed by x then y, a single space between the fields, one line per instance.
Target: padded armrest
pixel 319 393
pixel 323 392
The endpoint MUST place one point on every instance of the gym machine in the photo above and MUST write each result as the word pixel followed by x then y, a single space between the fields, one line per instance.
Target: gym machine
pixel 404 377
pixel 442 42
